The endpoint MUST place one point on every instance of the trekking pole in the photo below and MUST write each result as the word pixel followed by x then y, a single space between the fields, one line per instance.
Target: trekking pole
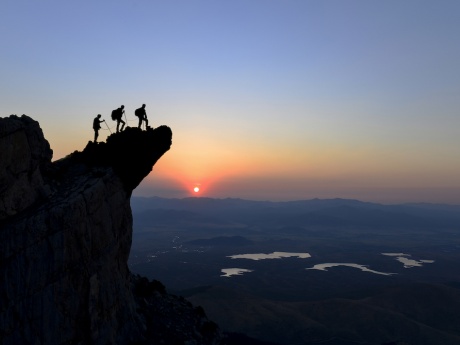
pixel 108 127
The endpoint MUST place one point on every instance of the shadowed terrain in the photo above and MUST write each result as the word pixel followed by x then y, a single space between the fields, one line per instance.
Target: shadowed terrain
pixel 65 238
pixel 407 296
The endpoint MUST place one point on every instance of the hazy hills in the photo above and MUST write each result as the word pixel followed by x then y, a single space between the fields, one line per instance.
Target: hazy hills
pixel 186 243
pixel 419 314
pixel 327 212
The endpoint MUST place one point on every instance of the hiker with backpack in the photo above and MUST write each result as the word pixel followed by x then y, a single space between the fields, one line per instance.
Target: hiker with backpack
pixel 97 126
pixel 142 115
pixel 117 115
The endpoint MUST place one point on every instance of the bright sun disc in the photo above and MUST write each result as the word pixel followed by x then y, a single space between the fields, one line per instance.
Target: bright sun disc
pixel 196 189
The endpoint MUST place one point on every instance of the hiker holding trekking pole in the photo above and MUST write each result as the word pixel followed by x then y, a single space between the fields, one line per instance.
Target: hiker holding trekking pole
pixel 142 115
pixel 97 126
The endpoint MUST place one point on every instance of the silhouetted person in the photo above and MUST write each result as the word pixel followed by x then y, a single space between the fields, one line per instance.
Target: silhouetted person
pixel 117 115
pixel 142 115
pixel 97 126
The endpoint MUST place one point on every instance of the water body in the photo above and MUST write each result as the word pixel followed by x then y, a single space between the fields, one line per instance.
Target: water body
pixel 228 272
pixel 324 267
pixel 407 262
pixel 274 255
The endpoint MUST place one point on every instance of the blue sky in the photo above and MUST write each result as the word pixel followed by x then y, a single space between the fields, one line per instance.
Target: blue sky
pixel 266 99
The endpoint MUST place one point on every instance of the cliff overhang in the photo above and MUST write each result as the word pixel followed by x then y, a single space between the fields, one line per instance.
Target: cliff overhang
pixel 132 153
pixel 65 238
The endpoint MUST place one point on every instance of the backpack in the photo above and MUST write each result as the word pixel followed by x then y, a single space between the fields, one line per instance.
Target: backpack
pixel 138 112
pixel 96 124
pixel 114 114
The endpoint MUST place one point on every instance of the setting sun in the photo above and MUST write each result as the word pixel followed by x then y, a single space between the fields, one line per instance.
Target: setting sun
pixel 196 189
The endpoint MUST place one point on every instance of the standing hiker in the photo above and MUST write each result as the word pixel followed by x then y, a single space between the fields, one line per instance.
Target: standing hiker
pixel 142 115
pixel 97 126
pixel 117 115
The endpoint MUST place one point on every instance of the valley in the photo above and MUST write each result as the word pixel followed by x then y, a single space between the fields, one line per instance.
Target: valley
pixel 300 278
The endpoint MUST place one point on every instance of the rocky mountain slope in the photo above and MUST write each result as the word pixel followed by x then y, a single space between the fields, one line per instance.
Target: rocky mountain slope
pixel 65 237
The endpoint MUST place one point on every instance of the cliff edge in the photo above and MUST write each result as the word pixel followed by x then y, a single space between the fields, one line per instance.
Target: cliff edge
pixel 65 238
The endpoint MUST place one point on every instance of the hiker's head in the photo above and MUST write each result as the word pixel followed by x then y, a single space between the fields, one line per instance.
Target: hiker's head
pixel 99 115
pixel 122 106
pixel 143 105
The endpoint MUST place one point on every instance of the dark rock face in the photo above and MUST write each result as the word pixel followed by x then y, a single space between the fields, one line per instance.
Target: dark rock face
pixel 24 153
pixel 65 236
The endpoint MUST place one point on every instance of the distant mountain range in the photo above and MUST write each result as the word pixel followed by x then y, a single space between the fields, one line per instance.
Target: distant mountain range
pixel 317 212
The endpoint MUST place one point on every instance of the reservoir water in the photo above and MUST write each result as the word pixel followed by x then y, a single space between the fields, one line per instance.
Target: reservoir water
pixel 228 272
pixel 324 267
pixel 274 255
pixel 408 262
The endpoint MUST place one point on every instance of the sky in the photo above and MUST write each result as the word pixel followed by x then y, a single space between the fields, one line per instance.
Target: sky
pixel 267 99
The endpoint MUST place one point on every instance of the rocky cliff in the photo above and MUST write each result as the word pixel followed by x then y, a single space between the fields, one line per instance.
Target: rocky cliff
pixel 65 237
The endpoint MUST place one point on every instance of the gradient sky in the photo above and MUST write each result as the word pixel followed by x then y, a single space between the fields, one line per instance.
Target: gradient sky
pixel 267 100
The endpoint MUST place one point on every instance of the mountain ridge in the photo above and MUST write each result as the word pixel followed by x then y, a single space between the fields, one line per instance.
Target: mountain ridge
pixel 325 212
pixel 65 238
